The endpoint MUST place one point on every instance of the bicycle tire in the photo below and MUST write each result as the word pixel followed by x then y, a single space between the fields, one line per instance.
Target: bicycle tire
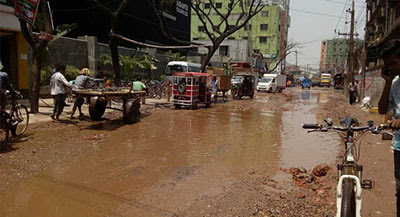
pixel 19 114
pixel 348 199
pixel 4 131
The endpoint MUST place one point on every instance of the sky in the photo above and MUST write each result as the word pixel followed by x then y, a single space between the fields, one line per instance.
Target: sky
pixel 315 20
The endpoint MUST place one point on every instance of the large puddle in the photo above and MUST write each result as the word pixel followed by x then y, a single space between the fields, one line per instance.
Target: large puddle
pixel 173 158
pixel 157 166
pixel 302 149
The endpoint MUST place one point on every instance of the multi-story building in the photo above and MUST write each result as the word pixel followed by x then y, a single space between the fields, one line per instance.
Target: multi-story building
pixel 383 23
pixel 334 53
pixel 268 32
pixel 13 47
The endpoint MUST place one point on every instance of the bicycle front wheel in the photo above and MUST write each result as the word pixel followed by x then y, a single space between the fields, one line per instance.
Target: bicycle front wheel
pixel 19 120
pixel 348 199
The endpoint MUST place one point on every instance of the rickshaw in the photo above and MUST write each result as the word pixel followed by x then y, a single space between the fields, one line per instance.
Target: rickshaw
pixel 190 89
pixel 243 88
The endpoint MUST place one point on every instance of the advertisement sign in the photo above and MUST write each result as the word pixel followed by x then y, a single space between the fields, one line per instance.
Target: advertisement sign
pixel 26 10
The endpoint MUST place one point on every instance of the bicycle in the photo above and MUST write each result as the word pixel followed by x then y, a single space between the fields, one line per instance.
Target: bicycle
pixel 350 183
pixel 16 121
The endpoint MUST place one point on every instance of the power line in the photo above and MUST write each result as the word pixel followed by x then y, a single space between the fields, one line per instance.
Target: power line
pixel 342 3
pixel 341 16
pixel 316 13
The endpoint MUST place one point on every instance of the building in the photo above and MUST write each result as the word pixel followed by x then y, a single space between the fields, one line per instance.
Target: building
pixel 139 22
pixel 383 23
pixel 268 30
pixel 13 48
pixel 334 53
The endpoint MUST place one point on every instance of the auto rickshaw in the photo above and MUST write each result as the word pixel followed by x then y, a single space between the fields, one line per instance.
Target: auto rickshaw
pixel 243 88
pixel 190 89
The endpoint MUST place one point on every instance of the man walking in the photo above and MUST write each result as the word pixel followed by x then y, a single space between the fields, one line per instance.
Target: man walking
pixel 139 86
pixel 352 92
pixel 390 100
pixel 58 85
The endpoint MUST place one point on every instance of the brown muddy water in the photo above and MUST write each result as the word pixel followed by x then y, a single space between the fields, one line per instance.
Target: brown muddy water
pixel 172 158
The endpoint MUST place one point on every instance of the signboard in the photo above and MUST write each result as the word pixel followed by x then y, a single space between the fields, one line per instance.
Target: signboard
pixel 26 10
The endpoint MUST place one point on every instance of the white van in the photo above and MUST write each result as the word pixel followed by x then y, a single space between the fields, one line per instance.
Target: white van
pixel 272 83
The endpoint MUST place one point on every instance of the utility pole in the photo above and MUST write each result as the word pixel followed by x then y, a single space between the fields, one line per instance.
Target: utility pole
pixel 350 66
pixel 296 57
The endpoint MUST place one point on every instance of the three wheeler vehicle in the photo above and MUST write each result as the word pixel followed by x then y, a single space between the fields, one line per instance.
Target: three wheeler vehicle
pixel 243 88
pixel 190 89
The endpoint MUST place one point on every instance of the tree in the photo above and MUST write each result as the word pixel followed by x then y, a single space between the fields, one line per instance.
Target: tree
pixel 278 59
pixel 39 44
pixel 175 56
pixel 114 16
pixel 222 27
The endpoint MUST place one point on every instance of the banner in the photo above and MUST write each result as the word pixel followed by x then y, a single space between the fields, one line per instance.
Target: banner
pixel 26 10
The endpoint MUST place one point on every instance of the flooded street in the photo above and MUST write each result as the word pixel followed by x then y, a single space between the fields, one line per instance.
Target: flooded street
pixel 171 160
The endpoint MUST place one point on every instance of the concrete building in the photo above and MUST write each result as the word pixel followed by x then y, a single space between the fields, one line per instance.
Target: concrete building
pixel 334 53
pixel 269 30
pixel 13 47
pixel 383 23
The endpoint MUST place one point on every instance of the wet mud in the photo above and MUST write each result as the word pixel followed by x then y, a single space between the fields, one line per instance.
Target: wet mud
pixel 228 160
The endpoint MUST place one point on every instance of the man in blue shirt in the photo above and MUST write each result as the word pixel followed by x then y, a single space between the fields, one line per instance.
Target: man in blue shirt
pixel 4 86
pixel 390 100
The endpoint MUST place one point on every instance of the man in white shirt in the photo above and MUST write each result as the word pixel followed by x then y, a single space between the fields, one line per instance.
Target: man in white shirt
pixel 58 85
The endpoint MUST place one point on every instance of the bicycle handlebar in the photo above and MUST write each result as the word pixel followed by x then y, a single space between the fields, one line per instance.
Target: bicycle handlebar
pixel 318 127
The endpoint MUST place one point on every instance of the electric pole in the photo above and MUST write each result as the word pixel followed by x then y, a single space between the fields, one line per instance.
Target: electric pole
pixel 296 58
pixel 350 66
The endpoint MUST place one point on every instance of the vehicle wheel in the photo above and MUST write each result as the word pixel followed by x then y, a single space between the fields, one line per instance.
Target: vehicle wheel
pixel 348 199
pixel 97 107
pixel 4 131
pixel 177 106
pixel 20 120
pixel 225 97
pixel 193 107
pixel 270 90
pixel 132 111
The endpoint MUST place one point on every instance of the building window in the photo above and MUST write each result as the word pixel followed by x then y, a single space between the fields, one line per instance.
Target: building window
pixel 256 51
pixel 207 5
pixel 224 50
pixel 245 27
pixel 218 5
pixel 201 29
pixel 263 40
pixel 231 38
pixel 264 27
pixel 230 6
pixel 264 13
pixel 195 39
pixel 279 28
pixel 244 37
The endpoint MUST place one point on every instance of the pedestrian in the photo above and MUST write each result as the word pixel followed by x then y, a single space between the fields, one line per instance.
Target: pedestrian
pixel 168 86
pixel 139 86
pixel 352 92
pixel 58 85
pixel 214 88
pixel 82 82
pixel 389 52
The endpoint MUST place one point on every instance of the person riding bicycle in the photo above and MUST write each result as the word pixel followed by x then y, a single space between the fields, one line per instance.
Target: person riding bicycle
pixel 4 86
pixel 390 100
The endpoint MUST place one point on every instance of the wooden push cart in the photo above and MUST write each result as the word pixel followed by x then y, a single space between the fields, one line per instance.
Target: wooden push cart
pixel 99 99
pixel 224 85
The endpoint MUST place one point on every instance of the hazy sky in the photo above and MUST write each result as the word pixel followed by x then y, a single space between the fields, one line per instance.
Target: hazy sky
pixel 310 29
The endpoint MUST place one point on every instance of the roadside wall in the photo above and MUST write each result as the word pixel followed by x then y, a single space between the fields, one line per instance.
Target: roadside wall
pixel 85 52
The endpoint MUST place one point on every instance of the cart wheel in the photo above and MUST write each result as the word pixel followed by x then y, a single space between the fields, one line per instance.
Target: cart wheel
pixel 132 111
pixel 97 107
pixel 225 97
pixel 208 104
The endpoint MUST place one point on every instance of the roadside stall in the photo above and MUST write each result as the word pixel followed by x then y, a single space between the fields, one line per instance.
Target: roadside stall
pixel 100 97
pixel 190 89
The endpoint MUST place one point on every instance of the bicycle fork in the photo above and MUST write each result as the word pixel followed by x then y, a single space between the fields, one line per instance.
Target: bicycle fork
pixel 357 190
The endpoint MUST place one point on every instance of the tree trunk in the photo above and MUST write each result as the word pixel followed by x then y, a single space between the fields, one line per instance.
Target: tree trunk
pixel 209 55
pixel 115 60
pixel 35 91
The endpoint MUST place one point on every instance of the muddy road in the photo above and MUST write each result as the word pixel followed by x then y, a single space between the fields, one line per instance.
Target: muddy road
pixel 228 160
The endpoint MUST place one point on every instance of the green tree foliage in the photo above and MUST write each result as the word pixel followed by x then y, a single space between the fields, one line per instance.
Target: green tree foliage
pixel 175 56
